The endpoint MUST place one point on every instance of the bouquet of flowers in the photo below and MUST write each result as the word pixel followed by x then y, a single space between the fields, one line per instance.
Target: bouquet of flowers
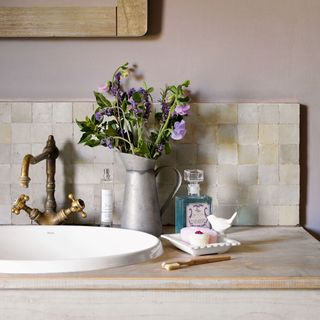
pixel 122 119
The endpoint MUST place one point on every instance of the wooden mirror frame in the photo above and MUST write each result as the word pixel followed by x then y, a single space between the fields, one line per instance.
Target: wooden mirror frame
pixel 127 19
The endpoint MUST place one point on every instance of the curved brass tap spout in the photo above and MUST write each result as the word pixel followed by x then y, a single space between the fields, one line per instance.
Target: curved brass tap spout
pixel 50 152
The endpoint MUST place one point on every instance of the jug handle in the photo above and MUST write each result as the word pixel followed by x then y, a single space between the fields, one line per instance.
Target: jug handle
pixel 175 189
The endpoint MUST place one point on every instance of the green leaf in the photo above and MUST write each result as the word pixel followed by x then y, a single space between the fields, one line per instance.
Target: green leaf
pixel 102 101
pixel 110 132
pixel 85 137
pixel 80 124
pixel 185 99
pixel 92 143
pixel 186 83
pixel 136 97
pixel 143 148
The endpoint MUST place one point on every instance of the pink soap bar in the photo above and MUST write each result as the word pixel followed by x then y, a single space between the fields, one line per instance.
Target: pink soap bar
pixel 186 232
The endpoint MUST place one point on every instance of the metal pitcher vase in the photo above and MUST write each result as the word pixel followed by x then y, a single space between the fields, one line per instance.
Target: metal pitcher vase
pixel 141 210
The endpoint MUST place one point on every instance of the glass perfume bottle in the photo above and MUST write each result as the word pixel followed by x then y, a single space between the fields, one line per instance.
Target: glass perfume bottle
pixel 106 199
pixel 192 210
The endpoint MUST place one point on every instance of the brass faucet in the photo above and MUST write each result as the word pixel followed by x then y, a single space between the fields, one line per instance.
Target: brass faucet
pixel 49 216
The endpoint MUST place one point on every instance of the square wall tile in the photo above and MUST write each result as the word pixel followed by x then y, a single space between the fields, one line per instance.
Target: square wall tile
pixel 269 113
pixel 268 134
pixel 227 113
pixel 289 153
pixel 62 112
pixel 289 195
pixel 248 195
pixel 18 151
pixel 227 175
pixel 206 134
pixel 269 195
pixel 289 174
pixel 5 112
pixel 289 113
pixel 227 134
pixel 248 113
pixel 5 133
pixel 40 132
pixel 289 215
pixel 5 153
pixel 227 195
pixel 289 134
pixel 186 154
pixel 228 154
pixel 21 133
pixel 248 154
pixel 14 173
pixel 81 109
pixel 247 134
pixel 268 154
pixel 5 173
pixel 268 174
pixel 210 175
pixel 5 195
pixel 225 211
pixel 247 175
pixel 42 112
pixel 63 132
pixel 83 174
pixel 268 215
pixel 208 113
pixel 21 112
pixel 247 216
pixel 207 154
pixel 83 154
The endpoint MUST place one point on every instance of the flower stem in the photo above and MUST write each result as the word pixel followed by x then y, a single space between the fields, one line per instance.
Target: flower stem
pixel 130 144
pixel 163 128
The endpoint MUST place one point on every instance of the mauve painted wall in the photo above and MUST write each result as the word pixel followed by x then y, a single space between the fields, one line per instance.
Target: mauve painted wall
pixel 232 50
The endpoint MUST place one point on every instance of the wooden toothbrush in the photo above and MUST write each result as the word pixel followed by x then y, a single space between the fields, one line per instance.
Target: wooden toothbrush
pixel 173 265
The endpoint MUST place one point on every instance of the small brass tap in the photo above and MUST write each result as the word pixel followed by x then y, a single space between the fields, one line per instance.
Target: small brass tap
pixel 77 206
pixel 49 216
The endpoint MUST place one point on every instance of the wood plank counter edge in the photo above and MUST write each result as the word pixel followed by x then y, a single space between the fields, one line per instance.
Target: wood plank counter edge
pixel 160 284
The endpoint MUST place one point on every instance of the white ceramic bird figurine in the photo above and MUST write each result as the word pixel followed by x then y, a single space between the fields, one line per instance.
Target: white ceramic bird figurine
pixel 220 224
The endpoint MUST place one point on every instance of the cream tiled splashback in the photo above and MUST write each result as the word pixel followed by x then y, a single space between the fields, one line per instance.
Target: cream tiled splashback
pixel 249 153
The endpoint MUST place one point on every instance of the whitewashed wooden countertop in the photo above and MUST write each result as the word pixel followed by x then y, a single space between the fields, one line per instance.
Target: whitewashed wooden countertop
pixel 269 258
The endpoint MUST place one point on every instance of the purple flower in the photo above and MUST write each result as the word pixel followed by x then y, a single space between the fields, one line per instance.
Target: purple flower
pixel 107 142
pixel 142 90
pixel 117 76
pixel 165 110
pixel 160 148
pixel 103 88
pixel 182 110
pixel 99 116
pixel 132 102
pixel 109 112
pixel 147 105
pixel 179 130
pixel 131 92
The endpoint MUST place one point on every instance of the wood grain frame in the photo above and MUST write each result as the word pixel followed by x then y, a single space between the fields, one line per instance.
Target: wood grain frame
pixel 127 19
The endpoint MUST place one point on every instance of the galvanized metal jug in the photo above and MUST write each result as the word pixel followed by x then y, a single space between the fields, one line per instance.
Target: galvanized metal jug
pixel 141 210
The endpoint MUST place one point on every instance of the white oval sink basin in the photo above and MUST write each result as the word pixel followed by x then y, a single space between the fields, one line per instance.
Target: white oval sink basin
pixel 55 249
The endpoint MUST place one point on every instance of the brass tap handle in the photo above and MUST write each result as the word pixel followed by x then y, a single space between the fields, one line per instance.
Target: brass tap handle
pixel 20 204
pixel 77 205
